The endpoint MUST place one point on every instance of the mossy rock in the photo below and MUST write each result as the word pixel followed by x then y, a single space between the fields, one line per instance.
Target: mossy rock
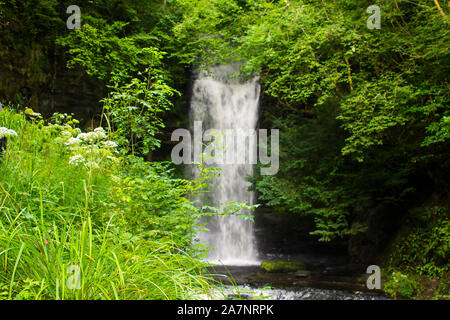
pixel 283 266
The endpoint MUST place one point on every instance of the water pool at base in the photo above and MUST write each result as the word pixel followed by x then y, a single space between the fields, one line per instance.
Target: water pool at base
pixel 270 293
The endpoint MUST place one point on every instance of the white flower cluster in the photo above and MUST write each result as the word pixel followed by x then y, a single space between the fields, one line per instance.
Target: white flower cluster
pixel 77 160
pixel 73 142
pixel 90 149
pixel 6 133
pixel 66 134
pixel 92 137
pixel 397 276
pixel 92 165
pixel 110 144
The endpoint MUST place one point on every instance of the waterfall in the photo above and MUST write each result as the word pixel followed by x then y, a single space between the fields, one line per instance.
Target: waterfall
pixel 224 102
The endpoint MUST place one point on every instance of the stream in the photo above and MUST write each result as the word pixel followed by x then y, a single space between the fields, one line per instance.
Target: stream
pixel 254 283
pixel 269 293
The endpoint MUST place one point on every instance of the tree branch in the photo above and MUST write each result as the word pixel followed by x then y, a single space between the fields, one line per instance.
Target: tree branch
pixel 439 8
pixel 349 70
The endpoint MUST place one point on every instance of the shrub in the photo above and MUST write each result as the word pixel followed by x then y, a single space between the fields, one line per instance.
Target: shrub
pixel 401 285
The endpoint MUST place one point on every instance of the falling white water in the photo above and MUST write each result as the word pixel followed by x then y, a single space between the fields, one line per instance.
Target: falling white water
pixel 224 102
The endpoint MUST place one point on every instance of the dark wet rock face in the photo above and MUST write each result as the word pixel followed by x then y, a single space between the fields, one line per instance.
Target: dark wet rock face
pixel 382 222
pixel 285 237
pixel 45 84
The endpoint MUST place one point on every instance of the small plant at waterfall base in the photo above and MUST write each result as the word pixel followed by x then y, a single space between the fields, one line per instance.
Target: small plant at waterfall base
pixel 401 285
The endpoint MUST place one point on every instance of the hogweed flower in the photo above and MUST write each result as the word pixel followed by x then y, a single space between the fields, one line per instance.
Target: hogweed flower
pixel 101 133
pixel 77 160
pixel 66 134
pixel 92 137
pixel 91 148
pixel 110 144
pixel 73 142
pixel 6 133
pixel 92 165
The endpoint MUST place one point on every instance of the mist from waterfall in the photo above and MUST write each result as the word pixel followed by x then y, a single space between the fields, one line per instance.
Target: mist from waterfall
pixel 223 102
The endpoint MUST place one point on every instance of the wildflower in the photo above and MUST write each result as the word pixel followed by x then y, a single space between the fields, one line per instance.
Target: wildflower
pixel 76 160
pixel 100 132
pixel 92 165
pixel 111 158
pixel 89 137
pixel 110 144
pixel 31 113
pixel 82 136
pixel 73 142
pixel 6 133
pixel 66 134
pixel 91 152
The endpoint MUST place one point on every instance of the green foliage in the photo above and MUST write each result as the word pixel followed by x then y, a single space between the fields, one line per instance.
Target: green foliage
pixel 127 227
pixel 419 258
pixel 364 118
pixel 360 111
pixel 135 109
pixel 423 248
pixel 99 49
pixel 156 204
pixel 401 285
pixel 443 289
pixel 133 67
pixel 34 19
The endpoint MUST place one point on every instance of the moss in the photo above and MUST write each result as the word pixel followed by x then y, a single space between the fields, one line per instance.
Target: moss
pixel 283 266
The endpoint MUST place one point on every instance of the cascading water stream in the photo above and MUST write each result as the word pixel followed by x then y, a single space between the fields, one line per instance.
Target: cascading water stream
pixel 224 102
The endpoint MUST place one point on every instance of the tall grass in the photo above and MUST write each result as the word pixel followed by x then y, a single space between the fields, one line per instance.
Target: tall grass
pixel 64 232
